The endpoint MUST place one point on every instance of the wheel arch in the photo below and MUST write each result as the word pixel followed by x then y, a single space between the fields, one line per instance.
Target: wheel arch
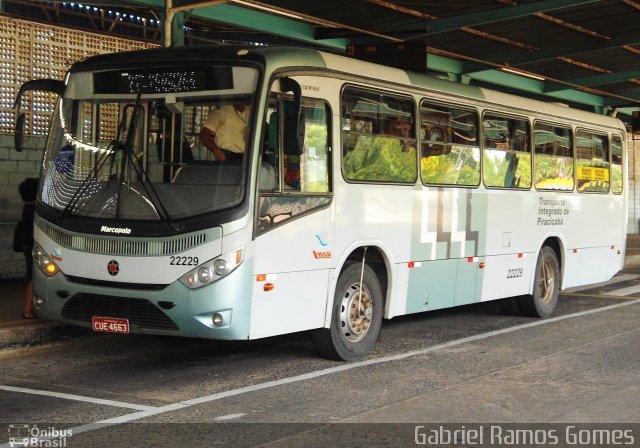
pixel 378 257
pixel 555 242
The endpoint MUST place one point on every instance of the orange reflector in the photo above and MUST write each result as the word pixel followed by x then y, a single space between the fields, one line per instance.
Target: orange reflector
pixel 238 256
pixel 269 286
pixel 482 265
pixel 261 277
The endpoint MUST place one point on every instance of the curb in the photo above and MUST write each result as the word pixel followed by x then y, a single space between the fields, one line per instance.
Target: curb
pixel 14 335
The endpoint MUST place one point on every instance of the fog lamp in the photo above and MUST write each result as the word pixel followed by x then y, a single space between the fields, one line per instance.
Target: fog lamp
pixel 39 301
pixel 218 320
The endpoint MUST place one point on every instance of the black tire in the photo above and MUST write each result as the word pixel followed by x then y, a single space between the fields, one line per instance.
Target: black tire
pixel 546 286
pixel 351 336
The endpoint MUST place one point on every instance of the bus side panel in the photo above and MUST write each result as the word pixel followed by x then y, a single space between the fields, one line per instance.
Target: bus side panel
pixel 590 265
pixel 296 260
pixel 381 216
pixel 507 275
pixel 441 284
pixel 520 222
pixel 296 303
pixel 432 285
pixel 467 284
pixel 448 225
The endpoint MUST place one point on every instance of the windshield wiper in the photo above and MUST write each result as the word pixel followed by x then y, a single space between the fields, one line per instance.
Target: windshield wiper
pixel 93 174
pixel 97 166
pixel 130 159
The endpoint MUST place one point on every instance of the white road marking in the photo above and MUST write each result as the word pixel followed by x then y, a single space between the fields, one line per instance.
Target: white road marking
pixel 624 291
pixel 617 279
pixel 229 417
pixel 47 393
pixel 149 412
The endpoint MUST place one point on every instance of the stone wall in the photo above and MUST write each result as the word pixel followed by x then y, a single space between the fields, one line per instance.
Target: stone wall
pixel 14 168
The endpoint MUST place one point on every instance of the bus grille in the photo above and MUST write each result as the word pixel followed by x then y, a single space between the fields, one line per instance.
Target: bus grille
pixel 82 307
pixel 120 246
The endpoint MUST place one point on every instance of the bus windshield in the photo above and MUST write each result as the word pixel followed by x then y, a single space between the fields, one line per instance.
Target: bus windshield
pixel 145 144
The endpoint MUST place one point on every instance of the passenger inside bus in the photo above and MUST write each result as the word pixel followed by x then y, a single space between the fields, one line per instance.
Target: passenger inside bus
pixel 225 131
pixel 436 133
pixel 398 128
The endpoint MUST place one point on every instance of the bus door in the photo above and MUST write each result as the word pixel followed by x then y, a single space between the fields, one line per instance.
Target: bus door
pixel 294 223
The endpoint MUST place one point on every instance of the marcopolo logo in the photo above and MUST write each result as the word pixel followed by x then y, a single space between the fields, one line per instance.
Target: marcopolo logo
pixel 118 230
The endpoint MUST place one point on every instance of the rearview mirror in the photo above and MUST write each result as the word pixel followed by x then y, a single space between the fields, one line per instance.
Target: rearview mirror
pixel 45 85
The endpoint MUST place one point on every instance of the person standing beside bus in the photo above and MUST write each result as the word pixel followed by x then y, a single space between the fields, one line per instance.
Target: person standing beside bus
pixel 28 190
pixel 225 131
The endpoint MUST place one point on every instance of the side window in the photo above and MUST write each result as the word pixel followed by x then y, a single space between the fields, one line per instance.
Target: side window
pixel 616 164
pixel 292 183
pixel 553 157
pixel 450 151
pixel 592 154
pixel 378 137
pixel 507 157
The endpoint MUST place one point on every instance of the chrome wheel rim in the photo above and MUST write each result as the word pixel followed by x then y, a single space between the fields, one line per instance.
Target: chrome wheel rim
pixel 356 310
pixel 546 282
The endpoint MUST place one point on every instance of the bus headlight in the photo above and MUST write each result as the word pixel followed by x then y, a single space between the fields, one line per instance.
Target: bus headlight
pixel 44 262
pixel 212 270
pixel 220 266
pixel 204 274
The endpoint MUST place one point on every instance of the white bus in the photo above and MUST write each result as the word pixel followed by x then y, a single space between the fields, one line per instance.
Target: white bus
pixel 363 192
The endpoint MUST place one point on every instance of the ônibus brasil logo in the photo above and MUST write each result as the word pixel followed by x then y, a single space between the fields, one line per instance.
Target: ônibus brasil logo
pixel 113 268
pixel 120 230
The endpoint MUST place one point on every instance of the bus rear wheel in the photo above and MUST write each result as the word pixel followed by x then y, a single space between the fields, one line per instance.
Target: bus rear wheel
pixel 356 316
pixel 546 286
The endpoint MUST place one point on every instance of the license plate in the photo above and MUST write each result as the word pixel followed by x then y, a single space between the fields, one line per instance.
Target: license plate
pixel 110 324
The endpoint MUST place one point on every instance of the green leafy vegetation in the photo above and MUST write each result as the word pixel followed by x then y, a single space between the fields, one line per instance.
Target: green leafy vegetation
pixel 377 158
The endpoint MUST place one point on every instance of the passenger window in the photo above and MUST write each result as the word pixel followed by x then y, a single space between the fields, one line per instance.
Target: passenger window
pixel 592 154
pixel 616 164
pixel 450 151
pixel 378 136
pixel 291 184
pixel 507 157
pixel 553 157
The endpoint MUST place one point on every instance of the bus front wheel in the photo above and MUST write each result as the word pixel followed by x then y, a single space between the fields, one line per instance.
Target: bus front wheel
pixel 356 317
pixel 546 286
